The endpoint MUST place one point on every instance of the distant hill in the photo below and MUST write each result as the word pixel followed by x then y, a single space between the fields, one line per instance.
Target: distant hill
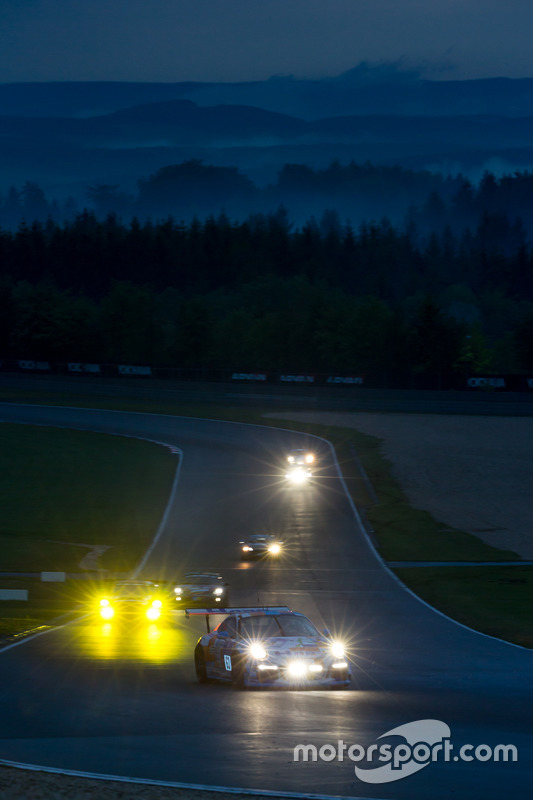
pixel 68 135
pixel 362 90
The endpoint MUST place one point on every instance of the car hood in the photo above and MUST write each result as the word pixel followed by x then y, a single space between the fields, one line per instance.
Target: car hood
pixel 302 646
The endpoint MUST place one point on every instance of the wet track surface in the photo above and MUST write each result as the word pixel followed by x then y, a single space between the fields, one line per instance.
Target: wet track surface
pixel 101 698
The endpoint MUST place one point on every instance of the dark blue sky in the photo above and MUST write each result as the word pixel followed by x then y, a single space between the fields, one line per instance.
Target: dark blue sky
pixel 225 40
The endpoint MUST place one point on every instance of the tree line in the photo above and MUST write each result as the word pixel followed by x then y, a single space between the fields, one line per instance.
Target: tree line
pixel 265 294
pixel 421 201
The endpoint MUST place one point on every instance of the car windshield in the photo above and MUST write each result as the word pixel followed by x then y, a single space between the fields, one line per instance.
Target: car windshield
pixel 199 580
pixel 269 626
pixel 132 591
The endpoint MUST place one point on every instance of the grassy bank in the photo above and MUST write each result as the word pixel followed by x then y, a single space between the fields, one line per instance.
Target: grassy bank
pixel 73 502
pixel 401 532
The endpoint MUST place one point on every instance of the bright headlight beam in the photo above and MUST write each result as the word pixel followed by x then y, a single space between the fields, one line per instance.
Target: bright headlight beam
pixel 337 649
pixel 297 669
pixel 257 651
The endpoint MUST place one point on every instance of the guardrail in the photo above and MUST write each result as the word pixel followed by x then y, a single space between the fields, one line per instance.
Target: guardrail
pixel 354 379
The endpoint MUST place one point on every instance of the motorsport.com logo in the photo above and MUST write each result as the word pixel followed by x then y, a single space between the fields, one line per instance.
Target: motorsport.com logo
pixel 424 741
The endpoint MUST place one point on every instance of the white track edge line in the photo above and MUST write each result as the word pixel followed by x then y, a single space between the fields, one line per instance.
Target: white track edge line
pixel 177 785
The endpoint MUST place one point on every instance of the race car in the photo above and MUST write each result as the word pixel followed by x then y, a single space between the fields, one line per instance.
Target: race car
pixel 271 646
pixel 298 465
pixel 201 587
pixel 259 545
pixel 300 458
pixel 132 600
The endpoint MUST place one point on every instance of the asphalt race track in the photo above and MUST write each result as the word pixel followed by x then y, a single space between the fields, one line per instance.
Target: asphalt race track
pixel 117 702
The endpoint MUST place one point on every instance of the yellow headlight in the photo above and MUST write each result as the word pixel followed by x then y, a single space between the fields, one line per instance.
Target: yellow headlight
pixel 275 549
pixel 104 602
pixel 106 612
pixel 157 604
pixel 153 613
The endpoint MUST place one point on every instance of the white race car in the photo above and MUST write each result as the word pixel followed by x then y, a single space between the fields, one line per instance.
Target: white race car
pixel 298 465
pixel 271 646
pixel 258 545
pixel 201 588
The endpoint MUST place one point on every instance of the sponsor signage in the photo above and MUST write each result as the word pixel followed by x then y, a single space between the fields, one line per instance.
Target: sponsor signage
pixel 297 378
pixel 481 383
pixel 249 376
pixel 347 380
pixel 127 369
pixel 75 366
pixel 40 365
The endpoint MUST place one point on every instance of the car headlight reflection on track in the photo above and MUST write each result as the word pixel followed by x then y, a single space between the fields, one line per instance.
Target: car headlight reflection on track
pixel 297 475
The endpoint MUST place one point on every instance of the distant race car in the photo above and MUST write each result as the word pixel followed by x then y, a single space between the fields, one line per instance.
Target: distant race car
pixel 271 646
pixel 300 458
pixel 258 545
pixel 201 587
pixel 133 600
pixel 298 465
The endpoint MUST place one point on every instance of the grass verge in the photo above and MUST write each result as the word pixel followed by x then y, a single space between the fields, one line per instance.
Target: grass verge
pixel 472 595
pixel 494 600
pixel 66 499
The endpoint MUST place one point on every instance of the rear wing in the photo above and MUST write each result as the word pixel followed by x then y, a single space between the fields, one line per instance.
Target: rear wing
pixel 224 612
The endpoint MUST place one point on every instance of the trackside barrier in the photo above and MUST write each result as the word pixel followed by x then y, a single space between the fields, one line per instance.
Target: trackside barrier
pixel 297 378
pixel 76 366
pixel 13 594
pixel 127 369
pixel 39 366
pixel 392 380
pixel 249 376
pixel 53 577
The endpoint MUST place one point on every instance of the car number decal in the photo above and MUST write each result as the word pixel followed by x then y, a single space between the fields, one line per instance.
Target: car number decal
pixel 227 663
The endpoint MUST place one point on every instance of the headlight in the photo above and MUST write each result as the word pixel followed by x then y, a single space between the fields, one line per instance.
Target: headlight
pixel 337 649
pixel 104 601
pixel 258 651
pixel 106 612
pixel 275 549
pixel 219 590
pixel 177 589
pixel 297 669
pixel 247 549
pixel 290 459
pixel 309 459
pixel 157 604
pixel 153 613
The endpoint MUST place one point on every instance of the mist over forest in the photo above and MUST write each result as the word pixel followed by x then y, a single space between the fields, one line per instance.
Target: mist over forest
pixel 202 225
